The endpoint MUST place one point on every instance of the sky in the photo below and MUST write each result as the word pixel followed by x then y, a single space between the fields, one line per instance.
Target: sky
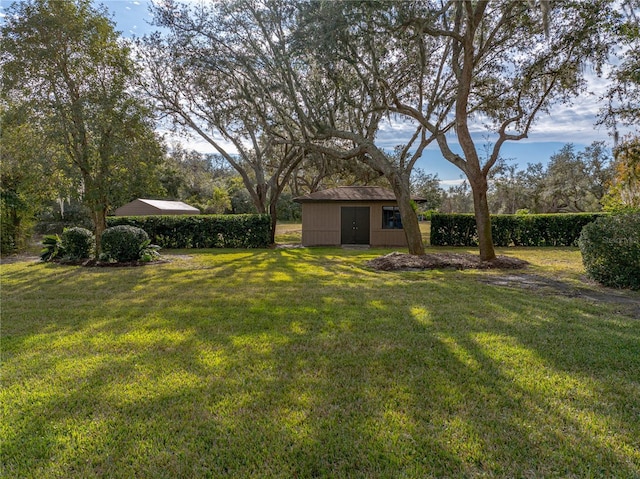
pixel 566 124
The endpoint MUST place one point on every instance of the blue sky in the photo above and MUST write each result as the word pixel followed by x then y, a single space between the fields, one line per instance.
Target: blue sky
pixel 567 124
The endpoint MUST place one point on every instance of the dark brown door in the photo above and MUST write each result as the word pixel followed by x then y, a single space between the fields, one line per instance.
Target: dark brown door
pixel 354 225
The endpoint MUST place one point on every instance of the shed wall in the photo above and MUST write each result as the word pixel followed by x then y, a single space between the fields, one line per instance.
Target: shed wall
pixel 384 237
pixel 321 224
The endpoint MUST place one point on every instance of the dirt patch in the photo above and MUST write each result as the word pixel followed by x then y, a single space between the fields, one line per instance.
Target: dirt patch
pixel 408 262
pixel 17 258
pixel 629 301
pixel 92 263
pixel 559 288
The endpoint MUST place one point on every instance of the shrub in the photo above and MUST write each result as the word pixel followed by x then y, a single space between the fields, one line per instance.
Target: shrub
pixel 51 248
pixel 77 243
pixel 610 248
pixel 124 243
pixel 202 231
pixel 150 253
pixel 507 230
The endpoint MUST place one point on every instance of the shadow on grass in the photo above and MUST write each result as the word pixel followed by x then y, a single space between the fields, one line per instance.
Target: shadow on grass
pixel 301 363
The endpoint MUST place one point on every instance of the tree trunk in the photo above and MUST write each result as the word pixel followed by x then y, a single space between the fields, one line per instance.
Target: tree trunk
pixel 99 217
pixel 95 198
pixel 98 206
pixel 260 198
pixel 483 219
pixel 409 218
pixel 273 212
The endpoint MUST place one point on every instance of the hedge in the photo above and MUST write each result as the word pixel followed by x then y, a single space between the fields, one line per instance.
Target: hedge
pixel 202 231
pixel 610 248
pixel 507 230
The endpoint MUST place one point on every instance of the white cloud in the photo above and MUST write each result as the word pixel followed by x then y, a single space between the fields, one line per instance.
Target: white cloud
pixel 569 123
pixel 447 183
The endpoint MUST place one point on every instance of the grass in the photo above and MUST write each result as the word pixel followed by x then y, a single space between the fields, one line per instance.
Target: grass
pixel 288 233
pixel 304 363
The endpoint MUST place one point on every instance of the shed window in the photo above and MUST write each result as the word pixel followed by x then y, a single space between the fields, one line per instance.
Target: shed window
pixel 391 218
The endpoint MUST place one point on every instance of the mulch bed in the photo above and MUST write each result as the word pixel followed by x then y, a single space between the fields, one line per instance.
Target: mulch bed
pixel 408 262
pixel 92 263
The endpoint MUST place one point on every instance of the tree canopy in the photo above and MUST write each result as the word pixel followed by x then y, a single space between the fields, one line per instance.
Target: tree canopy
pixel 624 192
pixel 65 61
pixel 206 75
pixel 448 66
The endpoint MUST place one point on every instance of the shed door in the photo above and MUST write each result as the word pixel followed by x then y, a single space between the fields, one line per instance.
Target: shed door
pixel 354 225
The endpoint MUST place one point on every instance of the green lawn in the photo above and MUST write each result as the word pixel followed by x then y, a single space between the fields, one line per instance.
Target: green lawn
pixel 304 363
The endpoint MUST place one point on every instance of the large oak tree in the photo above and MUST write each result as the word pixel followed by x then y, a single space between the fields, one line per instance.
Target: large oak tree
pixel 460 69
pixel 206 75
pixel 66 62
pixel 333 77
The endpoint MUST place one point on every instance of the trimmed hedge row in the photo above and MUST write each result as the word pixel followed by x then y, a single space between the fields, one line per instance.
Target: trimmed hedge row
pixel 511 230
pixel 202 231
pixel 610 248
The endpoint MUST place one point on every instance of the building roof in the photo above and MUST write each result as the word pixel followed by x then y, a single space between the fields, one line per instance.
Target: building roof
pixel 350 193
pixel 169 205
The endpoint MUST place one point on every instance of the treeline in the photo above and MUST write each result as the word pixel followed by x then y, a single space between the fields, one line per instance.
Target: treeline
pixel 569 182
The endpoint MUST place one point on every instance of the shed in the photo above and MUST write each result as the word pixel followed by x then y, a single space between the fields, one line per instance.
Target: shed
pixel 142 207
pixel 347 215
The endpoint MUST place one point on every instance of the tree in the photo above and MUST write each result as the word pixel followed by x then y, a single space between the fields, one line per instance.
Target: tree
pixel 64 60
pixel 345 48
pixel 598 164
pixel 245 55
pixel 190 175
pixel 426 186
pixel 572 181
pixel 623 96
pixel 507 188
pixel 205 76
pixel 575 182
pixel 458 199
pixel 320 171
pixel 448 66
pixel 624 192
pixel 28 180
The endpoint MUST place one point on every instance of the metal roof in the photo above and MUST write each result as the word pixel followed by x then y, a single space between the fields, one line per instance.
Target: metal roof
pixel 169 205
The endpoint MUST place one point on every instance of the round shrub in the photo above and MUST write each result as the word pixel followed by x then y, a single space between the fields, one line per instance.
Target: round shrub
pixel 124 243
pixel 610 248
pixel 76 243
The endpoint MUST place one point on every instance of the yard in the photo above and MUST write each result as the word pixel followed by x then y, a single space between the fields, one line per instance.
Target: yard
pixel 306 363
